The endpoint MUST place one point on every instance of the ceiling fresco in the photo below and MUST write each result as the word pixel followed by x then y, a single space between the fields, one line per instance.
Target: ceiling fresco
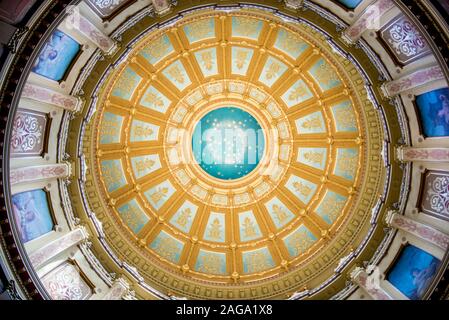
pixel 180 222
pixel 182 150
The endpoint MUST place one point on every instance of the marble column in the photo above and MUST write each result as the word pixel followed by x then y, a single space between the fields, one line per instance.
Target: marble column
pixel 118 290
pixel 87 29
pixel 52 249
pixel 38 93
pixel 409 154
pixel 38 173
pixel 409 82
pixel 418 229
pixel 370 284
pixel 368 20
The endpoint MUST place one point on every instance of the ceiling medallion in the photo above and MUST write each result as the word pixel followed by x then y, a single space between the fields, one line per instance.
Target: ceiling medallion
pixel 255 215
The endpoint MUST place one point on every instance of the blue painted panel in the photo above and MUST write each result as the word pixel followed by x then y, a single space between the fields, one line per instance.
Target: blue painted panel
pixel 257 260
pixel 413 272
pixel 56 56
pixel 133 215
pixel 331 206
pixel 167 247
pixel 324 75
pixel 211 262
pixel 434 112
pixel 113 174
pixel 32 214
pixel 350 4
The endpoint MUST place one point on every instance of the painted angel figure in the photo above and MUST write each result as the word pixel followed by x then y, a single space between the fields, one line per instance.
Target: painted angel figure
pixel 444 111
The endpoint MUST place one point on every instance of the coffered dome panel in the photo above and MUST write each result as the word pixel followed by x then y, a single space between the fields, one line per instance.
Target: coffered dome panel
pixel 257 80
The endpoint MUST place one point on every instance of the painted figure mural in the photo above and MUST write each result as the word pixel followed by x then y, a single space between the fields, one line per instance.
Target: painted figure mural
pixel 434 111
pixel 413 272
pixel 56 56
pixel 32 214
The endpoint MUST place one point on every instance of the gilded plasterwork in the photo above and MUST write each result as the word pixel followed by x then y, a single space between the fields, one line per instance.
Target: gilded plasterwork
pixel 313 190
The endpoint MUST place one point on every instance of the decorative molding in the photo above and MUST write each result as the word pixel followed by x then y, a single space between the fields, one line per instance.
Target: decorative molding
pixel 412 81
pixel 28 133
pixel 118 290
pixel 369 283
pixel 418 229
pixel 161 7
pixel 368 20
pixel 434 198
pixel 68 282
pixel 38 93
pixel 404 40
pixel 37 173
pixel 50 250
pixel 408 154
pixel 138 276
pixel 87 29
pixel 13 42
pixel 294 4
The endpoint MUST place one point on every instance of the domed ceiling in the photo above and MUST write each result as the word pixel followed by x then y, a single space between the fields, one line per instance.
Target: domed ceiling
pixel 233 154
pixel 224 150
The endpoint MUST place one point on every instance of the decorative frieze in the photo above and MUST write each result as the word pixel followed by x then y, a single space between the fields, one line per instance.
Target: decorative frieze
pixel 38 93
pixel 434 197
pixel 414 80
pixel 106 9
pixel 52 249
pixel 404 40
pixel 28 133
pixel 369 20
pixel 418 229
pixel 66 282
pixel 38 173
pixel 408 154
pixel 87 29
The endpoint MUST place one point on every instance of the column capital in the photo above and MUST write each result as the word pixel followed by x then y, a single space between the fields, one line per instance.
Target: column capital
pixel 370 283
pixel 294 4
pixel 390 216
pixel 118 290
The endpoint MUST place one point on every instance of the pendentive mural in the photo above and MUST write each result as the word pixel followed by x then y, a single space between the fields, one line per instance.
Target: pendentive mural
pixel 32 214
pixel 433 110
pixel 413 272
pixel 56 56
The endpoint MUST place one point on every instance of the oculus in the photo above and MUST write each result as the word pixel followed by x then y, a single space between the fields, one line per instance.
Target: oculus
pixel 228 143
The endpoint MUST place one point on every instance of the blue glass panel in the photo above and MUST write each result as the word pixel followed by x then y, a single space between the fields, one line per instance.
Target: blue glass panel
pixel 228 143
pixel 32 214
pixel 413 272
pixel 434 112
pixel 56 56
